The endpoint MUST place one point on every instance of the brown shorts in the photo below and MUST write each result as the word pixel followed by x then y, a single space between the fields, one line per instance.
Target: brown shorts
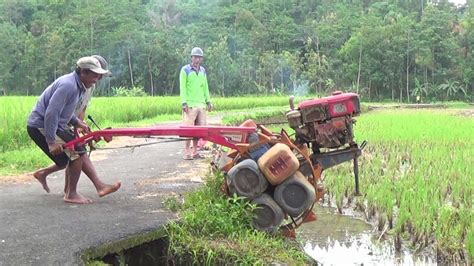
pixel 196 116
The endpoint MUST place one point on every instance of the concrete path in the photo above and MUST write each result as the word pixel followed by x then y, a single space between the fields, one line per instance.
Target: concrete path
pixel 38 228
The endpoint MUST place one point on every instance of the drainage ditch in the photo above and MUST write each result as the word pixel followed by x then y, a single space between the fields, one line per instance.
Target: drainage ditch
pixel 149 248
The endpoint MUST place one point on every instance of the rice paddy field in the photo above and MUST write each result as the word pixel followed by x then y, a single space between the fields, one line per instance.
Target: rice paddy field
pixel 18 154
pixel 416 178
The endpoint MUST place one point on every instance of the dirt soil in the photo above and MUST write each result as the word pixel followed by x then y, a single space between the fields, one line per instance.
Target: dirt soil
pixel 467 113
pixel 38 228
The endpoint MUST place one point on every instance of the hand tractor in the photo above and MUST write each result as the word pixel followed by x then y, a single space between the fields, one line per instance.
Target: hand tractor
pixel 279 173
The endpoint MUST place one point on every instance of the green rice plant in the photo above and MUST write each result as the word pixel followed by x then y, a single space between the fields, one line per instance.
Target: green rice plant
pixel 258 115
pixel 416 163
pixel 453 225
pixel 14 113
pixel 469 242
pixel 249 102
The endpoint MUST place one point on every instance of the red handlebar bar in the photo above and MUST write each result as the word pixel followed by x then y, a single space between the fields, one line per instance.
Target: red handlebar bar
pixel 225 136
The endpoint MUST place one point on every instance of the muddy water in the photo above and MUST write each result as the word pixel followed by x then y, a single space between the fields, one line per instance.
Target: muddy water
pixel 343 240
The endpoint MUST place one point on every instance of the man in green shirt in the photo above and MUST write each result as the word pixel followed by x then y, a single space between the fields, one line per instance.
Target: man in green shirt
pixel 195 99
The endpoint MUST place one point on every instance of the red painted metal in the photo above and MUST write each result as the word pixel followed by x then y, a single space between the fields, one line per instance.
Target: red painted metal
pixel 339 104
pixel 225 136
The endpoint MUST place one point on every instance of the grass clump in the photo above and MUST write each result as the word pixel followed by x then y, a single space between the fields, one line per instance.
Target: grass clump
pixel 215 229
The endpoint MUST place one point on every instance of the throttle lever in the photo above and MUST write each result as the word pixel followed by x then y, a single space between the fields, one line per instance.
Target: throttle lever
pixel 93 122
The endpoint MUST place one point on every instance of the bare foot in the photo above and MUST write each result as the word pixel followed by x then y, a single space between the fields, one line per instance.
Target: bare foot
pixel 77 199
pixel 109 189
pixel 42 179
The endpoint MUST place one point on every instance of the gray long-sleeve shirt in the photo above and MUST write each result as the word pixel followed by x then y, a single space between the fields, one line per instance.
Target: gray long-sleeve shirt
pixel 55 107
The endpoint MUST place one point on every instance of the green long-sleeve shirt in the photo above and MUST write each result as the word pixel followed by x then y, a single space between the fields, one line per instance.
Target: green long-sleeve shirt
pixel 193 87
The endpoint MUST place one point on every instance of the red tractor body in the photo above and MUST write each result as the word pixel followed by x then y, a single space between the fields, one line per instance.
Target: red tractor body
pixel 334 106
pixel 325 122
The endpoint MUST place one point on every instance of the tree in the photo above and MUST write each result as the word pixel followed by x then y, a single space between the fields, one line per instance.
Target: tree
pixel 221 66
pixel 421 90
pixel 436 44
pixel 10 39
pixel 292 61
pixel 315 69
pixel 377 48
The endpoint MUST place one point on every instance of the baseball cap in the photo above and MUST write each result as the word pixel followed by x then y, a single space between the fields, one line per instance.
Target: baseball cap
pixel 103 64
pixel 92 64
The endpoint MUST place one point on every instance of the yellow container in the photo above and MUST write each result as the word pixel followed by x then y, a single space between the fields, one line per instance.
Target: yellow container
pixel 278 163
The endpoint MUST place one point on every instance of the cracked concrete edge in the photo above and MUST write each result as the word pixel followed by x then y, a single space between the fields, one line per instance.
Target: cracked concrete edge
pixel 83 256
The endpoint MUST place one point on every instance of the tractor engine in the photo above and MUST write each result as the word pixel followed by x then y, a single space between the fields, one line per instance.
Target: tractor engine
pixel 326 122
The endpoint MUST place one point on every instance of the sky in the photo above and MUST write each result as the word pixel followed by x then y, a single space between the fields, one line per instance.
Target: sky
pixel 458 1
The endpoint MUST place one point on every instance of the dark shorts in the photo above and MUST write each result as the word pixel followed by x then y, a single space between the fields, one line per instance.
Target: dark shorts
pixel 62 159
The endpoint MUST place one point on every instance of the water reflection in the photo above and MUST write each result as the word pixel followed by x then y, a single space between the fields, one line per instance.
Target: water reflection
pixel 343 240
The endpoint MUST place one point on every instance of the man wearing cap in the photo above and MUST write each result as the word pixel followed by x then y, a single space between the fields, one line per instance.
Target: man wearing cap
pixel 195 100
pixel 48 127
pixel 42 174
pixel 84 101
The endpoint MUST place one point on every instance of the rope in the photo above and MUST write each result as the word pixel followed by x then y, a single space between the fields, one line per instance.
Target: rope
pixel 132 147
